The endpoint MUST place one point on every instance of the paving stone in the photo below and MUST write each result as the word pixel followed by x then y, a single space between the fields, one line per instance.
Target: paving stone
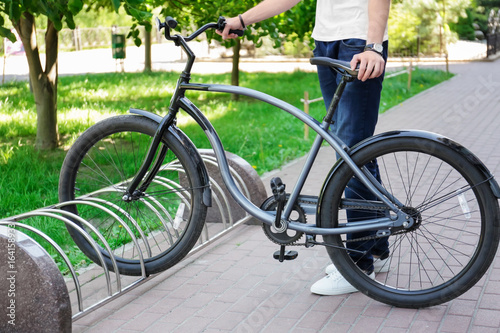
pixel 142 322
pixel 367 324
pixel 214 310
pixel 194 325
pixel 108 325
pixel 347 314
pixel 457 324
pixel 434 313
pixel 420 326
pixel 489 318
pixel 280 325
pixel 314 320
pixel 336 327
pixel 483 329
pixel 462 307
pixel 228 321
pixel 401 318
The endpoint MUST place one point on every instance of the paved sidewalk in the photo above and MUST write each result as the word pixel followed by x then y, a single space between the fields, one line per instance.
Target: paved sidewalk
pixel 167 56
pixel 236 285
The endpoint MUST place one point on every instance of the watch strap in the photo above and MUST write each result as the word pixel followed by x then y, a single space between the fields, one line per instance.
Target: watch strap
pixel 371 47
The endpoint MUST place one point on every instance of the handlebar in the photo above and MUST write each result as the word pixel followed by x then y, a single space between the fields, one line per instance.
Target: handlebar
pixel 171 23
pixel 342 67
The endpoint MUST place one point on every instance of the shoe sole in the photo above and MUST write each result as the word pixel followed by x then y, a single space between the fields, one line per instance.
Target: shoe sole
pixel 338 291
pixel 379 267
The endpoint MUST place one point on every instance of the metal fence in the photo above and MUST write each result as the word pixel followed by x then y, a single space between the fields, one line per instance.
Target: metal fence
pixel 88 38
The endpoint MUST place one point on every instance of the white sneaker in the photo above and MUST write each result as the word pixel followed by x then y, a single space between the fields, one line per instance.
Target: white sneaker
pixel 379 266
pixel 334 284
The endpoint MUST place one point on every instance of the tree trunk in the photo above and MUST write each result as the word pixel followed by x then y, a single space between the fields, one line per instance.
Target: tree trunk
pixel 235 74
pixel 44 82
pixel 147 51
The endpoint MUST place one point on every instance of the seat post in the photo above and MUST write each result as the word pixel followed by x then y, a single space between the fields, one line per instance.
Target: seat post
pixel 336 98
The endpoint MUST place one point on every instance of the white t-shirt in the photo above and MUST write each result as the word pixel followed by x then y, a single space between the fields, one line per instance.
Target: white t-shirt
pixel 341 19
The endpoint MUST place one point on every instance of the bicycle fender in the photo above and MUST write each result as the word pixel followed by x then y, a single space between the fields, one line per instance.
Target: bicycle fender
pixel 147 114
pixel 190 148
pixel 416 134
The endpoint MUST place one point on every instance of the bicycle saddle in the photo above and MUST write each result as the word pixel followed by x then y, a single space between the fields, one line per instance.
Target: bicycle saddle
pixel 339 65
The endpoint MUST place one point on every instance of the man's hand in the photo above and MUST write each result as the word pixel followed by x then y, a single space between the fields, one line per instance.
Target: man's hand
pixel 371 65
pixel 232 23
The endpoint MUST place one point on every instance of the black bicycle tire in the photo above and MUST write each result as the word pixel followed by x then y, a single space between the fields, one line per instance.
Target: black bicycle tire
pixel 131 123
pixel 472 271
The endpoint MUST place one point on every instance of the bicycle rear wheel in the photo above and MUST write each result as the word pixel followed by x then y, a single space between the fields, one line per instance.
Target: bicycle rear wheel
pixel 166 219
pixel 456 234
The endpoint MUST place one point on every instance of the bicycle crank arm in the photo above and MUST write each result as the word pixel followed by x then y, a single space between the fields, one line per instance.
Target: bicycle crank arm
pixel 279 193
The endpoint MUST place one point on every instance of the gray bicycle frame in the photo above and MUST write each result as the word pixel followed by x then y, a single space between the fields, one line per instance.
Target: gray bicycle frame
pixel 323 134
pixel 180 101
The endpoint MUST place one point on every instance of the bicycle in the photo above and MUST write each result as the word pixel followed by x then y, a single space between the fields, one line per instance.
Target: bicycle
pixel 437 203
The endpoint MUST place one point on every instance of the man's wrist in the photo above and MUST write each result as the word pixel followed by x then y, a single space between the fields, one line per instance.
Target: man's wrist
pixel 375 47
pixel 243 25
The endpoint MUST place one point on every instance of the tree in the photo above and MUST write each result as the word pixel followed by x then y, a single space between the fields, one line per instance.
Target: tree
pixel 296 23
pixel 403 29
pixel 44 78
pixel 59 12
pixel 423 24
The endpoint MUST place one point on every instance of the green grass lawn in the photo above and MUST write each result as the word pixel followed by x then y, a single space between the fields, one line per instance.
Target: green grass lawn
pixel 263 135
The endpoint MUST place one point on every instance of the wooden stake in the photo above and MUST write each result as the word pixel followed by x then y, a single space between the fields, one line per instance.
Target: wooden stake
pixel 306 110
pixel 410 70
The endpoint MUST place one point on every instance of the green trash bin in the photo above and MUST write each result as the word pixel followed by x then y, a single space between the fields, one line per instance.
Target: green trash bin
pixel 118 46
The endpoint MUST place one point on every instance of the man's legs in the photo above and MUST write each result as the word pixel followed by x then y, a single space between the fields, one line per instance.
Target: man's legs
pixel 354 121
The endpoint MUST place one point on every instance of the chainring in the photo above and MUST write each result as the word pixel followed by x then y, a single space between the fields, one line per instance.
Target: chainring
pixel 289 237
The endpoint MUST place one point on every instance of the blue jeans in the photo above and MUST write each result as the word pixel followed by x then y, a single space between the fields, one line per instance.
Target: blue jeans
pixel 353 121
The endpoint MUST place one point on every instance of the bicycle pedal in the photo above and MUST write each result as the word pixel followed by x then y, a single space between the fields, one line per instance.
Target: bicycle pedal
pixel 287 255
pixel 278 189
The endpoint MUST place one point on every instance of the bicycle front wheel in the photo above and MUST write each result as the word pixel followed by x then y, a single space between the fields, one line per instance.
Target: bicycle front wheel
pixel 456 231
pixel 166 220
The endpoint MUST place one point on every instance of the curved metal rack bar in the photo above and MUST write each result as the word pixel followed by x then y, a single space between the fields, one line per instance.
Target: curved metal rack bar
pixel 86 229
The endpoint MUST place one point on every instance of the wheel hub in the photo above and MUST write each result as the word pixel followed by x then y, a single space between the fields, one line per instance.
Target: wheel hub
pixel 414 214
pixel 132 197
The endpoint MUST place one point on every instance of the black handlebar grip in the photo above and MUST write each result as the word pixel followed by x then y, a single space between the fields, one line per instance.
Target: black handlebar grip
pixel 221 24
pixel 237 32
pixel 171 22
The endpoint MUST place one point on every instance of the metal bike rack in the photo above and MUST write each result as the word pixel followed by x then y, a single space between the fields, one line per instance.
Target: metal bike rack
pixel 97 285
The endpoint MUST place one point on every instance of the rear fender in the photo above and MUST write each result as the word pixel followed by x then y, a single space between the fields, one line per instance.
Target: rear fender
pixel 415 134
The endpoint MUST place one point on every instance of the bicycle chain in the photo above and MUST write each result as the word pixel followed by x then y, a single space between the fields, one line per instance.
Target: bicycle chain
pixel 349 240
pixel 303 201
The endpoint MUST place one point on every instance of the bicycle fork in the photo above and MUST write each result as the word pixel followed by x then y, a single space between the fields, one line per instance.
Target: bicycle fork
pixel 134 191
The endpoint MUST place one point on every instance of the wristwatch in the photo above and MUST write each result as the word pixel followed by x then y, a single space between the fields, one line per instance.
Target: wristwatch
pixel 375 47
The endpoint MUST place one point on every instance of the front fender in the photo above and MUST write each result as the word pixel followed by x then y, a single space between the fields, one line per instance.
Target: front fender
pixel 424 135
pixel 190 148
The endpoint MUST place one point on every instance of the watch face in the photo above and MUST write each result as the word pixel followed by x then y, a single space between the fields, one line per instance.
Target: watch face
pixel 378 47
